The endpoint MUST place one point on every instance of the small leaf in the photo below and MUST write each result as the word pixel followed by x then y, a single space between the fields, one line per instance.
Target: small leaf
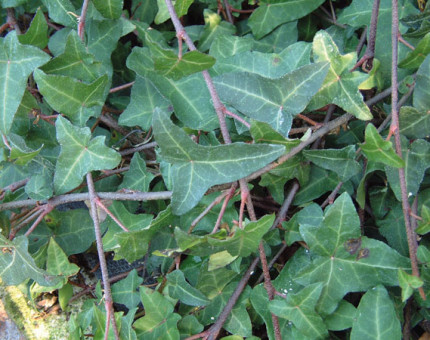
pixel 342 318
pixel 415 57
pixel 138 177
pixel 377 149
pixel 37 33
pixel 376 317
pixel 214 27
pixel 270 15
pixel 341 161
pixel 181 7
pixel 17 62
pixel 57 262
pixel 125 291
pixel 180 289
pixel 79 155
pixel 414 123
pixel 110 9
pixel 196 168
pixel 408 283
pixel 340 87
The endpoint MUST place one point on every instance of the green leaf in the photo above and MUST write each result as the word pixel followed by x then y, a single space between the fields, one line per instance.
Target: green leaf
pixel 138 177
pixel 71 96
pixel 110 9
pixel 270 15
pixel 424 225
pixel 341 161
pixel 144 99
pixel 180 289
pixel 196 168
pixel 75 61
pixel 376 317
pixel 60 12
pixel 341 260
pixel 37 33
pixel 57 262
pixel 377 149
pixel 159 321
pixel 17 62
pixel 273 101
pixel 214 27
pixel 211 283
pixel 417 160
pixel 300 309
pixel 422 82
pixel 20 153
pixel 17 265
pixel 79 155
pixel 280 38
pixel 181 7
pixel 225 46
pixel 340 87
pixel 392 227
pixel 125 291
pixel 408 283
pixel 414 123
pixel 415 58
pixel 342 318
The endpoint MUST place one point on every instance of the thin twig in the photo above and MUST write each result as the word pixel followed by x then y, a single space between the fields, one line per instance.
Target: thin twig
pixel 82 18
pixel 110 314
pixel 224 207
pixel 395 129
pixel 138 148
pixel 228 12
pixel 121 87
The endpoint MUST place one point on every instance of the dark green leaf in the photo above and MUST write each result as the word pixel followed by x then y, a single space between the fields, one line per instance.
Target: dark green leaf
pixel 138 177
pixel 125 291
pixel 408 283
pixel 110 9
pixel 57 262
pixel 60 12
pixel 37 33
pixel 342 318
pixel 414 123
pixel 421 96
pixel 180 289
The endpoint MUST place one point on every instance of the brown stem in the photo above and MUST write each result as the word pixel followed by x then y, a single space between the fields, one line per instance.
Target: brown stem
pixel 121 87
pixel 224 206
pixel 110 316
pixel 82 18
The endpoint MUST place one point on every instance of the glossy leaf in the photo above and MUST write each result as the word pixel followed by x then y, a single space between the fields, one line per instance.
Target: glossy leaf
pixel 125 291
pixel 340 87
pixel 377 149
pixel 300 309
pixel 338 266
pixel 37 33
pixel 17 265
pixel 376 317
pixel 144 99
pixel 341 161
pixel 79 155
pixel 110 9
pixel 270 15
pixel 17 63
pixel 180 289
pixel 273 101
pixel 60 11
pixel 70 96
pixel 196 168
pixel 342 318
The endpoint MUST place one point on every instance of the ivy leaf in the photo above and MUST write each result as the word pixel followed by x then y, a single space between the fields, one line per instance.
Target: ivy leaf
pixel 376 317
pixel 408 283
pixel 274 13
pixel 138 177
pixel 181 7
pixel 57 262
pixel 300 309
pixel 79 155
pixel 125 291
pixel 214 27
pixel 59 11
pixel 377 149
pixel 414 123
pixel 37 33
pixel 415 58
pixel 110 9
pixel 196 168
pixel 180 289
pixel 340 87
pixel 159 321
pixel 17 265
pixel 20 153
pixel 144 99
pixel 71 96
pixel 421 93
pixel 342 318
pixel 273 101
pixel 341 267
pixel 341 161
pixel 17 62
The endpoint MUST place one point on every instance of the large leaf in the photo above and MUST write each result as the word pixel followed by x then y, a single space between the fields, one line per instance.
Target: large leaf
pixel 376 317
pixel 340 87
pixel 57 262
pixel 342 260
pixel 61 12
pixel 79 155
pixel 414 123
pixel 110 9
pixel 273 101
pixel 17 265
pixel 196 168
pixel 17 62
pixel 341 161
pixel 270 15
pixel 300 309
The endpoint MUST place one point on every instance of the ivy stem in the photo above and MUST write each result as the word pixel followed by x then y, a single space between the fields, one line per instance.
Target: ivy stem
pixel 394 129
pixel 121 87
pixel 82 18
pixel 110 316
pixel 224 206
pixel 228 12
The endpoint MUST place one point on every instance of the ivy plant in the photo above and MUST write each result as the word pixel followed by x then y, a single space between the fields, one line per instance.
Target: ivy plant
pixel 237 169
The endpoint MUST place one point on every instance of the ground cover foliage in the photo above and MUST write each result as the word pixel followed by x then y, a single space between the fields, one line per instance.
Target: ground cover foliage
pixel 262 161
